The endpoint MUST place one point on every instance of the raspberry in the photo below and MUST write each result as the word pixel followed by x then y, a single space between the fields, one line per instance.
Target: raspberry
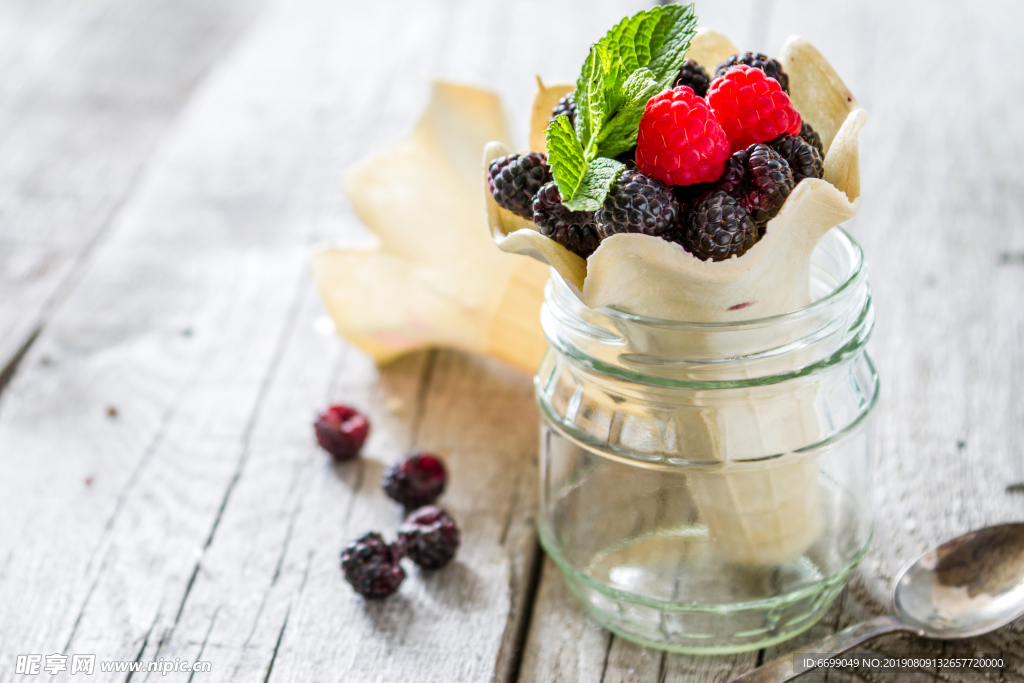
pixel 769 66
pixel 514 179
pixel 751 107
pixel 429 537
pixel 693 74
pixel 341 431
pixel 759 179
pixel 415 481
pixel 679 141
pixel 811 137
pixel 574 230
pixel 641 204
pixel 803 159
pixel 566 106
pixel 372 566
pixel 718 228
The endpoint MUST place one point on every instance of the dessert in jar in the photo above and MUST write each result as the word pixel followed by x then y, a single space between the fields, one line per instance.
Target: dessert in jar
pixel 706 394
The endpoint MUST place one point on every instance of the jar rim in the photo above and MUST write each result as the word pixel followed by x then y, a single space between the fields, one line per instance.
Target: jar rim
pixel 857 274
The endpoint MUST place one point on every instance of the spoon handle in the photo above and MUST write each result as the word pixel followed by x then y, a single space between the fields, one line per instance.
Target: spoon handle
pixel 781 668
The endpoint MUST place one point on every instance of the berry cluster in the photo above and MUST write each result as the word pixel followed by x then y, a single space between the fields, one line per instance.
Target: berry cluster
pixel 428 536
pixel 716 158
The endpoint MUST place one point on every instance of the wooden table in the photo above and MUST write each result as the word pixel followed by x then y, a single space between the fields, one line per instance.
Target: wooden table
pixel 166 167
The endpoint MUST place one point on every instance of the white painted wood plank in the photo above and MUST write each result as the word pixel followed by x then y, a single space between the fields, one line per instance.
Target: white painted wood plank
pixel 86 91
pixel 186 321
pixel 942 229
pixel 940 225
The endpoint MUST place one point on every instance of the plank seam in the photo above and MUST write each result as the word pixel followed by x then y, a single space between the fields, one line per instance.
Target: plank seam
pixel 529 599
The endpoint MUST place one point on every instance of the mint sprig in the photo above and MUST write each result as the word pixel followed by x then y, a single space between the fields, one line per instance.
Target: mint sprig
pixel 638 58
pixel 657 38
pixel 583 184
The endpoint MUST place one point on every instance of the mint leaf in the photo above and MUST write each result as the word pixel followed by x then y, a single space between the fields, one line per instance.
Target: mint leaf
pixel 601 173
pixel 638 58
pixel 657 38
pixel 620 132
pixel 670 41
pixel 565 156
pixel 594 88
pixel 583 185
pixel 630 38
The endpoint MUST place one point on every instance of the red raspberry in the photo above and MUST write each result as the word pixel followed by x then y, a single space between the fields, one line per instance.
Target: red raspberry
pixel 751 107
pixel 680 142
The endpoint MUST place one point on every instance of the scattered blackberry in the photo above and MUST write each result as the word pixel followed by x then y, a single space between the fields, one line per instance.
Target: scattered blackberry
pixel 693 74
pixel 574 230
pixel 567 106
pixel 811 137
pixel 769 66
pixel 514 179
pixel 415 480
pixel 803 158
pixel 718 227
pixel 341 431
pixel 429 537
pixel 638 203
pixel 372 566
pixel 760 179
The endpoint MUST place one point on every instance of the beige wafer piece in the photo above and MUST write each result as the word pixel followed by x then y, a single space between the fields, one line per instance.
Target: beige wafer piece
pixel 434 278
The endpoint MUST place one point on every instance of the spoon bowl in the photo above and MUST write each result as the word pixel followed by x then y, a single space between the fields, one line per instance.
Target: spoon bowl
pixel 966 587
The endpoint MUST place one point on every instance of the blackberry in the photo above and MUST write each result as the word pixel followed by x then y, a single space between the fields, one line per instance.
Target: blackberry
pixel 811 137
pixel 687 195
pixel 804 159
pixel 429 537
pixel 372 566
pixel 771 181
pixel 514 179
pixel 567 106
pixel 693 74
pixel 638 203
pixel 760 179
pixel 415 480
pixel 574 230
pixel 769 66
pixel 341 431
pixel 718 228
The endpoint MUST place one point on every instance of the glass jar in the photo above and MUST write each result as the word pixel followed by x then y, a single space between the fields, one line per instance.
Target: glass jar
pixel 705 487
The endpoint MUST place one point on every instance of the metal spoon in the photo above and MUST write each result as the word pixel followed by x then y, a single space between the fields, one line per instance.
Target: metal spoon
pixel 966 587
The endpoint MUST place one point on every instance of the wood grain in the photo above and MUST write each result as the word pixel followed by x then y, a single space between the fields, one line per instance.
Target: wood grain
pixel 87 92
pixel 168 166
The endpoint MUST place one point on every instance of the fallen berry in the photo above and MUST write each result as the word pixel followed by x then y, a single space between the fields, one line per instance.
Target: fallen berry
pixel 372 566
pixel 341 431
pixel 415 480
pixel 429 537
